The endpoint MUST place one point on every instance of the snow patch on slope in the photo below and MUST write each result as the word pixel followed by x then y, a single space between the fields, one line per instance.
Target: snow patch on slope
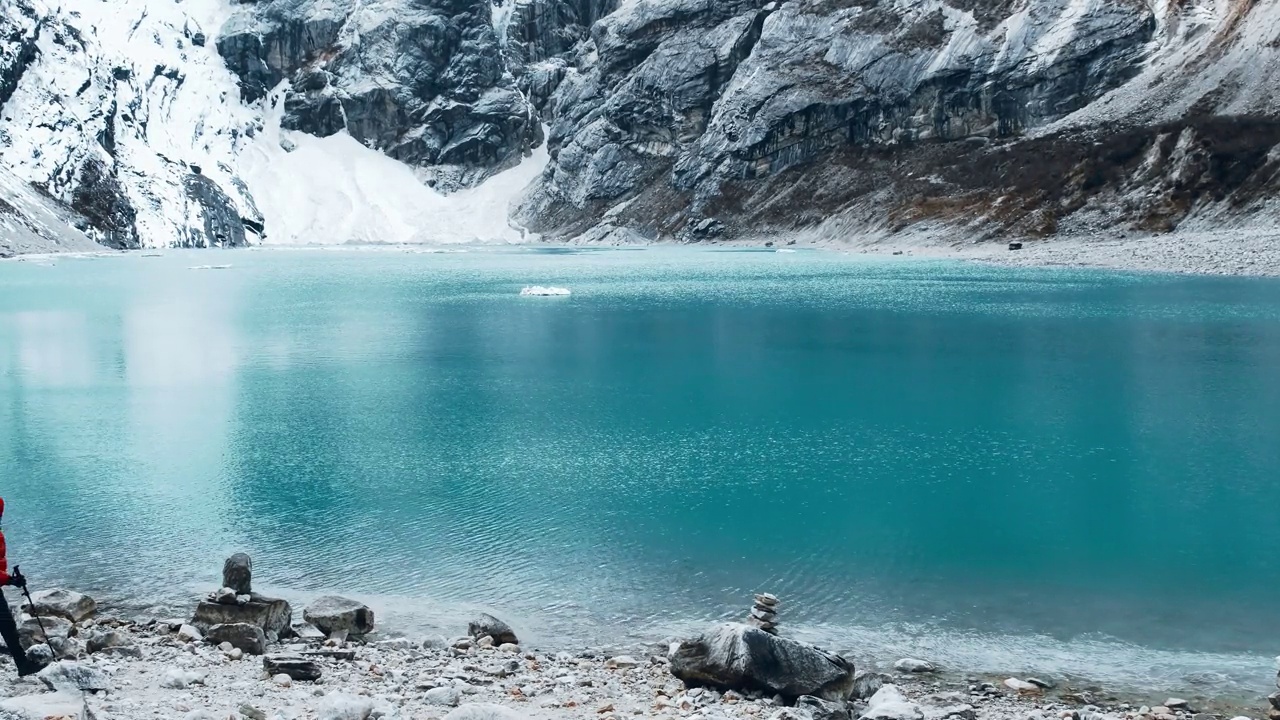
pixel 137 87
pixel 336 191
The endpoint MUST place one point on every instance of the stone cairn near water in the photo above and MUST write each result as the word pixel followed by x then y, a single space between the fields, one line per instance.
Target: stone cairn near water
pixel 764 613
pixel 1274 698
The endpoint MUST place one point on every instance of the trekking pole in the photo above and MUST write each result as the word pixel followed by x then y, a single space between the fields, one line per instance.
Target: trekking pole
pixel 25 591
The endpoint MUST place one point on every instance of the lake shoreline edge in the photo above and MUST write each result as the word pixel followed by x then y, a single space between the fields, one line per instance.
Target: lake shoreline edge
pixel 404 678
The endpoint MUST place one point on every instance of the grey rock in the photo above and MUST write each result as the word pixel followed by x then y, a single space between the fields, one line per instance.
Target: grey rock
pixel 66 604
pixel 99 639
pixel 237 571
pixel 333 614
pixel 223 226
pixel 491 626
pixel 449 696
pixel 69 676
pixel 40 653
pixel 744 658
pixel 1274 699
pixel 251 712
pixel 820 709
pixel 295 666
pixel 32 631
pixel 270 614
pixel 248 638
pixel 867 683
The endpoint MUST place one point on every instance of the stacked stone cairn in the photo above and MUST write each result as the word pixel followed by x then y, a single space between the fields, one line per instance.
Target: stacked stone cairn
pixel 764 613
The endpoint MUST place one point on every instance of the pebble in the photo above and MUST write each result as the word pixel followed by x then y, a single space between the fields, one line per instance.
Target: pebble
pixel 282 680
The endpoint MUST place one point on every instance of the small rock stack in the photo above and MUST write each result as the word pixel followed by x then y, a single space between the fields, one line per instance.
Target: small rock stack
pixel 1273 712
pixel 764 613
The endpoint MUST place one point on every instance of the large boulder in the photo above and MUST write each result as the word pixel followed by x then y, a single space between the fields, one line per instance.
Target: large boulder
pixel 246 637
pixel 62 603
pixel 741 657
pixel 820 709
pixel 489 625
pixel 333 614
pixel 273 615
pixel 237 573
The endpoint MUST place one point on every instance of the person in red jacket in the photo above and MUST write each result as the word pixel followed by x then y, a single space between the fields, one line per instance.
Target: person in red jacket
pixel 9 628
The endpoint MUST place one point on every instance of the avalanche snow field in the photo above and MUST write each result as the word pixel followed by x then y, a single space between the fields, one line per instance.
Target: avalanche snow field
pixel 1014 470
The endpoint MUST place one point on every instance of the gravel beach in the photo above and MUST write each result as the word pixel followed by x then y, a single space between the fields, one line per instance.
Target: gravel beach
pixel 122 669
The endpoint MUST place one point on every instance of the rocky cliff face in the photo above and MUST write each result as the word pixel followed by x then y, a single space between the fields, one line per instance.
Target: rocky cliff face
pixel 666 119
pixel 688 119
pixel 422 81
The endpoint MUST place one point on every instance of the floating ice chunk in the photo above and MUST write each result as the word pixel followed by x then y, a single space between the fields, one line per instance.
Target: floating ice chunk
pixel 209 267
pixel 784 250
pixel 540 291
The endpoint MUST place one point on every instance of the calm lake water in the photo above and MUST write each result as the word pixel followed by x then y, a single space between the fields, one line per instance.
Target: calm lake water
pixel 1006 470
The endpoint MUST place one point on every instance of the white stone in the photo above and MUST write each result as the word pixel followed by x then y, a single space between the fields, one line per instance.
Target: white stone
pixel 913 665
pixel 341 706
pixel 282 680
pixel 188 633
pixel 620 662
pixel 181 679
pixel 1020 685
pixel 447 696
pixel 889 704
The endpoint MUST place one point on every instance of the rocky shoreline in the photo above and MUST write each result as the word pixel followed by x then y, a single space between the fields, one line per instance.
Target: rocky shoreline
pixel 242 656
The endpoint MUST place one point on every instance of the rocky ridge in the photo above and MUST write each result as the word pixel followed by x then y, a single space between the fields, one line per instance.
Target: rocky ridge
pixel 687 120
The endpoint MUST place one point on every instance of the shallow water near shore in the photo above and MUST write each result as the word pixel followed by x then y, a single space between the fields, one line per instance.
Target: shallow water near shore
pixel 1004 470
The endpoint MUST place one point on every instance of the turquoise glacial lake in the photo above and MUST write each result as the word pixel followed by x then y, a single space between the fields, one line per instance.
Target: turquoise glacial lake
pixel 1071 473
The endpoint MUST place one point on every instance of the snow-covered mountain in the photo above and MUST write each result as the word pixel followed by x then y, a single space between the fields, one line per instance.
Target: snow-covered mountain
pixel 212 123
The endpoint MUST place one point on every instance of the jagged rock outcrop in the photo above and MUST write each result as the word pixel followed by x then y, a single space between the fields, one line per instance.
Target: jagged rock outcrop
pixel 873 115
pixel 421 81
